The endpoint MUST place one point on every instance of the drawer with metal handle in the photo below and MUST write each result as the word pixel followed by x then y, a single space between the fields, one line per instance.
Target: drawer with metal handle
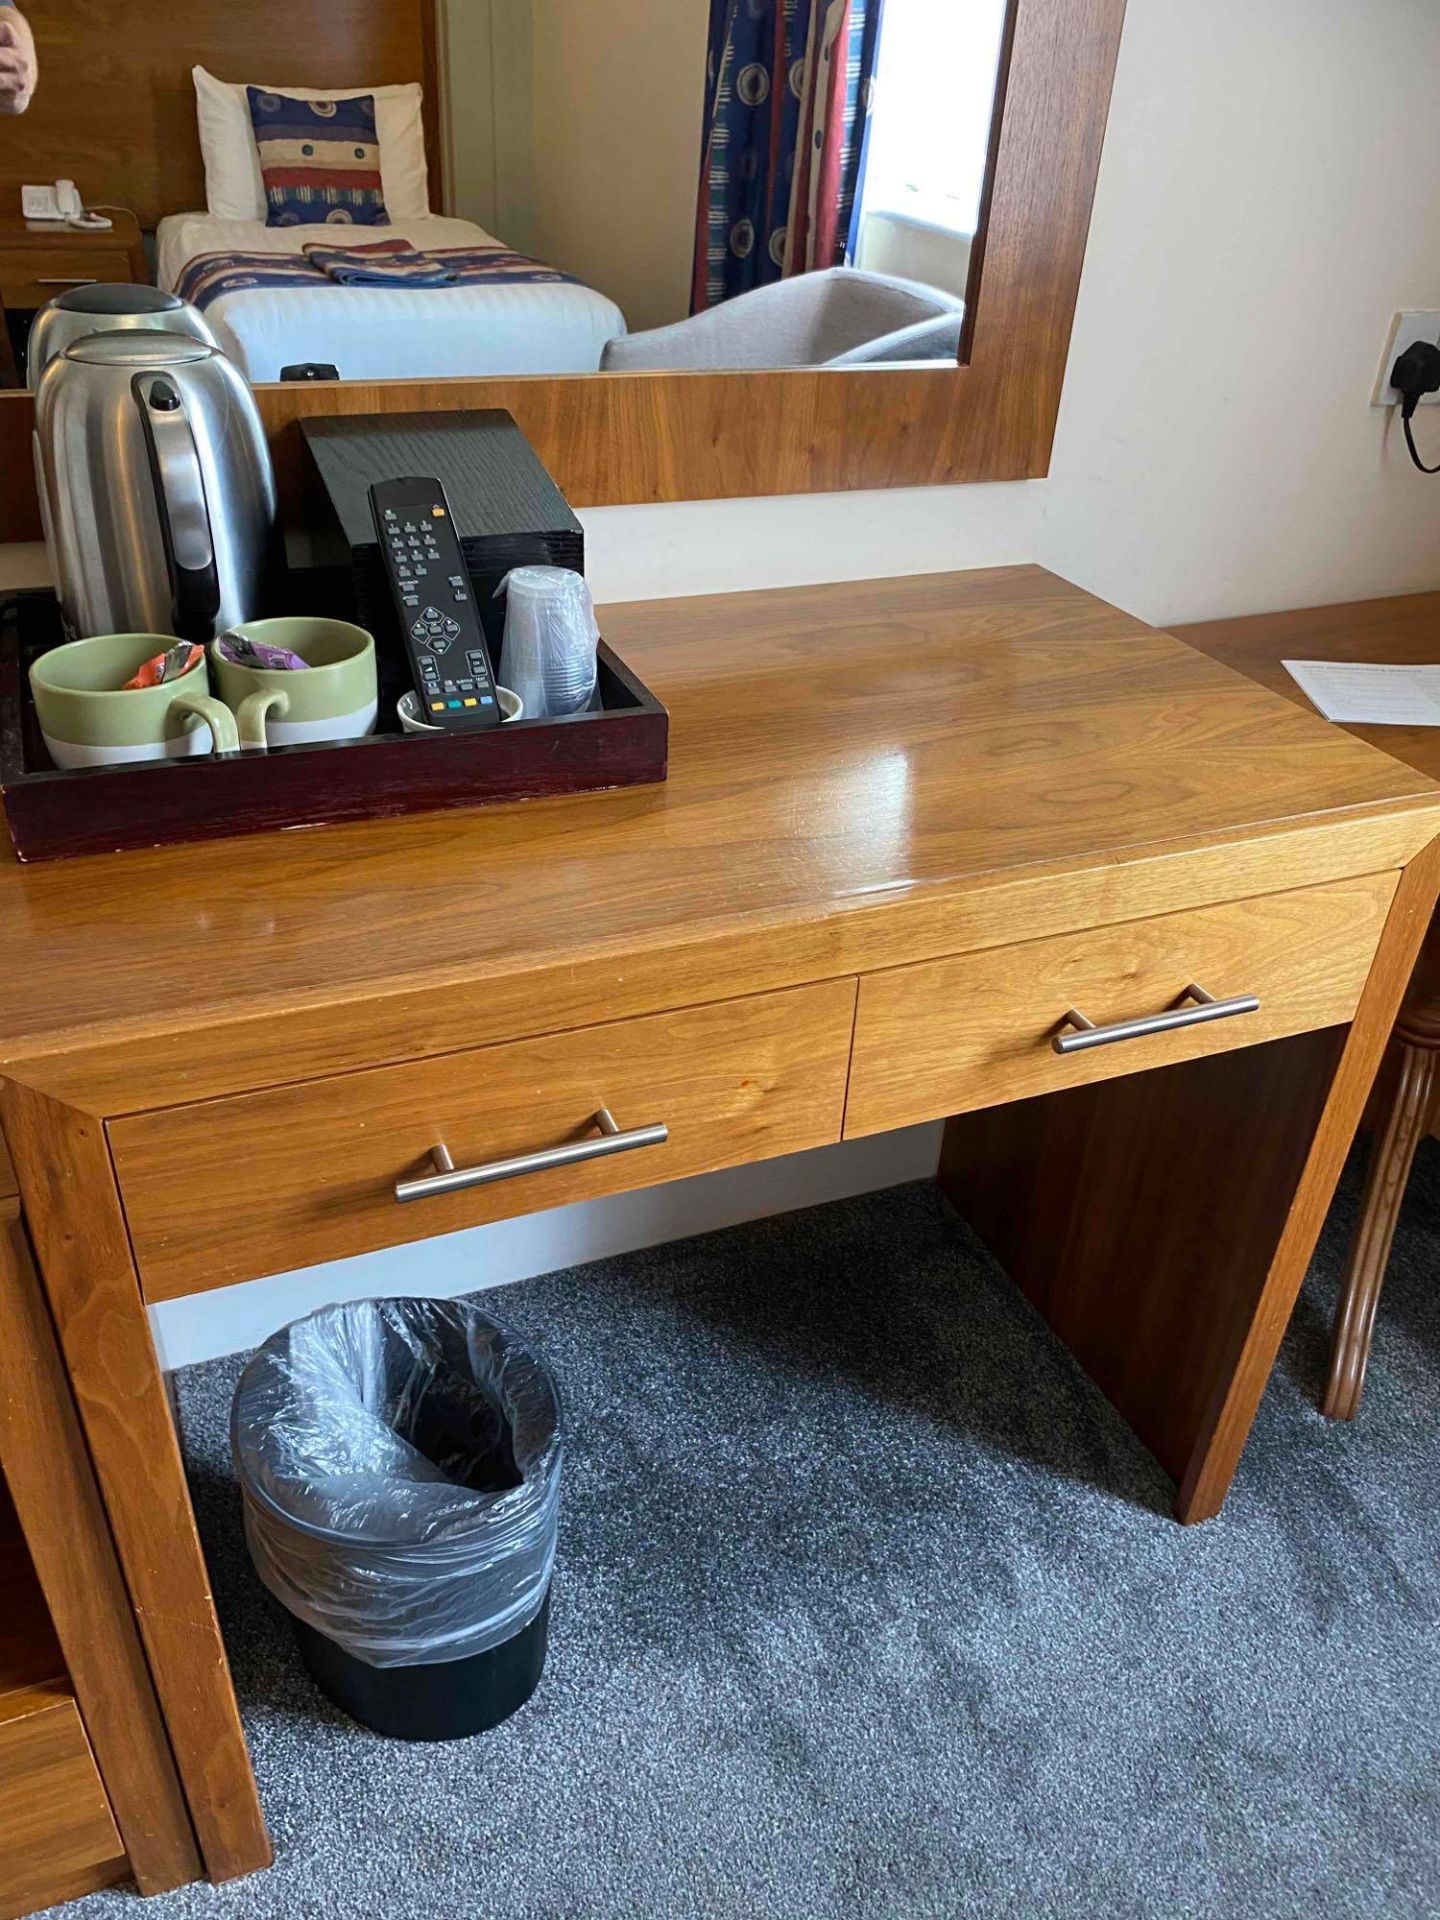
pixel 448 1178
pixel 953 1035
pixel 227 1190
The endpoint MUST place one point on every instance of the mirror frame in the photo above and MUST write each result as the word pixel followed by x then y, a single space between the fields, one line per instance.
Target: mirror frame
pixel 627 439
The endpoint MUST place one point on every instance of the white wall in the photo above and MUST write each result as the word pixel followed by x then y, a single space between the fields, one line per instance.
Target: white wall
pixel 618 99
pixel 1269 195
pixel 486 80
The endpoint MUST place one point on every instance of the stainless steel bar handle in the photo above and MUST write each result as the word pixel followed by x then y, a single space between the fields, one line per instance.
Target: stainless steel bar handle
pixel 448 1178
pixel 1204 1007
pixel 58 280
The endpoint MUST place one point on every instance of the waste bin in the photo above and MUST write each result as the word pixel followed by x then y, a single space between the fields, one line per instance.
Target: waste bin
pixel 400 1467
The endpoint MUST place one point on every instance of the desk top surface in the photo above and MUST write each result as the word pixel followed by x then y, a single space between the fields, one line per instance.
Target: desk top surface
pixel 833 750
pixel 1403 631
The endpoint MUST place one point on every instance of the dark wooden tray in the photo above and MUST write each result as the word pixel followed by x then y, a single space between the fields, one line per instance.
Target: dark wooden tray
pixel 52 814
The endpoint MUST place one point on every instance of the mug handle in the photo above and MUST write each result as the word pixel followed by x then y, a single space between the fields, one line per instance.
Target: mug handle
pixel 252 713
pixel 223 736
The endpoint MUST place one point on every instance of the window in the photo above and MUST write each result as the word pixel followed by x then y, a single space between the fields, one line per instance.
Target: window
pixel 930 113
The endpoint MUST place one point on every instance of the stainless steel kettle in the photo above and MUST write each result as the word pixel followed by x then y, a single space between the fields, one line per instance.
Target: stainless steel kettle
pixel 106 308
pixel 156 490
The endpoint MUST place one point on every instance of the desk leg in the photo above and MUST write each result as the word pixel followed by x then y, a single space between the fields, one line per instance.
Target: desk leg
pixel 53 1489
pixel 72 1205
pixel 1163 1222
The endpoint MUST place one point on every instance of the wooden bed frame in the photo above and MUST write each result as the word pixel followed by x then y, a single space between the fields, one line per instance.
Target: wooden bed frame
pixel 115 109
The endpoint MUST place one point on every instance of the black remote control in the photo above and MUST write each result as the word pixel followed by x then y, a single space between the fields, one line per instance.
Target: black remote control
pixel 436 605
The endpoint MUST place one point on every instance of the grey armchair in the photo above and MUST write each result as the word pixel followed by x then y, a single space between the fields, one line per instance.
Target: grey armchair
pixel 834 318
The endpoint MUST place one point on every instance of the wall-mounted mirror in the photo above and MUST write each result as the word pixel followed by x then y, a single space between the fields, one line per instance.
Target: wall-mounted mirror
pixel 648 185
pixel 698 248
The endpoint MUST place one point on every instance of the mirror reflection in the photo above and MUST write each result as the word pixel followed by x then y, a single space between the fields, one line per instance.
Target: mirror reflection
pixel 645 186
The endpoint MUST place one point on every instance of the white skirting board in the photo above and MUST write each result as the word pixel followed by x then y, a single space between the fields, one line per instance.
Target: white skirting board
pixel 234 1319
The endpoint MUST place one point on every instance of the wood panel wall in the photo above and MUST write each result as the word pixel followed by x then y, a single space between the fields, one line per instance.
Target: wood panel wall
pixel 115 108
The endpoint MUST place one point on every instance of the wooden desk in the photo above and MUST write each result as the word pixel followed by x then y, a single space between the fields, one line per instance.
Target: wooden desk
pixel 910 824
pixel 1403 631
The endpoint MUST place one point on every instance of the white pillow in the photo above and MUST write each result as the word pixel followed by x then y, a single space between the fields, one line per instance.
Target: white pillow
pixel 234 189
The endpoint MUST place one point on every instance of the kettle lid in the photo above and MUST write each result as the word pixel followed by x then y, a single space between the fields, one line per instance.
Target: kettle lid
pixel 147 347
pixel 110 298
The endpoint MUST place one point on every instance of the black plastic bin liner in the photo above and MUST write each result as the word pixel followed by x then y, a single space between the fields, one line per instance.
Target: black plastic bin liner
pixel 400 1467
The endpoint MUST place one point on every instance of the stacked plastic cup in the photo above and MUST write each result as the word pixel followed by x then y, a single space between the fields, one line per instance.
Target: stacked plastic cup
pixel 548 653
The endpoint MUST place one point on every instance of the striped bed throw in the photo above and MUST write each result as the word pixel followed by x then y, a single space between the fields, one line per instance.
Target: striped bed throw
pixel 380 263
pixel 210 276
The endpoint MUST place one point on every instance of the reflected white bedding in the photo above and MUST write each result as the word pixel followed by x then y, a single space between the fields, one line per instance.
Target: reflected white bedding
pixel 388 333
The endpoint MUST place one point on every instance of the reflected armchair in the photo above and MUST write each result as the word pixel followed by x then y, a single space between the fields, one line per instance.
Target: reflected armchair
pixel 837 317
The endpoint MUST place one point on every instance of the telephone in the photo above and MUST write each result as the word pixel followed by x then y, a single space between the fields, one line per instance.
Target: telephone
pixel 60 202
pixel 59 206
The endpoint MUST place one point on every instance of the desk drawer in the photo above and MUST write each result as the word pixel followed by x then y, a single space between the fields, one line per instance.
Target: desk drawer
pixel 229 1189
pixel 973 1031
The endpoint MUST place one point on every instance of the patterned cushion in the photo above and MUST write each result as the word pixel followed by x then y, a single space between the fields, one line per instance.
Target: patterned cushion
pixel 319 159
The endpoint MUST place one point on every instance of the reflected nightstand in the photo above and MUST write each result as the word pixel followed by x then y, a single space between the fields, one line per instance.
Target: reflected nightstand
pixel 38 263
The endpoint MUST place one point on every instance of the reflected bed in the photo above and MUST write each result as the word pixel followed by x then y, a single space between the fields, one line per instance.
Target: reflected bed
pixel 514 325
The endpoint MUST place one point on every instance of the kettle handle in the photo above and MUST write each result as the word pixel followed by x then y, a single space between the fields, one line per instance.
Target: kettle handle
pixel 181 504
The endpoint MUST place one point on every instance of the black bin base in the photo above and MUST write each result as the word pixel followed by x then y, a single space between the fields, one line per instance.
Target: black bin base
pixel 449 1701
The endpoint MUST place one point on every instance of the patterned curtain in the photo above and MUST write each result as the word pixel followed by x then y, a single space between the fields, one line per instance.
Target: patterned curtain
pixel 787 96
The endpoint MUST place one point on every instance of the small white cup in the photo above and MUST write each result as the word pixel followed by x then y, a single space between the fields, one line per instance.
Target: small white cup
pixel 408 708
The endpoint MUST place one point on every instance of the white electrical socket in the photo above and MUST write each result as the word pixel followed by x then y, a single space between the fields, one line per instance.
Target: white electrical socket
pixel 1405 330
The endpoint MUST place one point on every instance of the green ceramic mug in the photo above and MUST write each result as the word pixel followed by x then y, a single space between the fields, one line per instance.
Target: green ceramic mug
pixel 333 698
pixel 90 718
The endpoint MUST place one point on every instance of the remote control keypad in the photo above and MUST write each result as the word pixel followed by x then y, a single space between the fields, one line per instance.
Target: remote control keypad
pixel 447 686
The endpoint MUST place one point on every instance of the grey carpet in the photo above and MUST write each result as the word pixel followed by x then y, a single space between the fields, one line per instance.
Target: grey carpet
pixel 869 1606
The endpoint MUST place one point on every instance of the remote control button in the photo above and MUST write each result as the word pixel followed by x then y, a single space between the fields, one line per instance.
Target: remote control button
pixel 437 706
pixel 389 513
pixel 457 580
pixel 454 704
pixel 470 703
